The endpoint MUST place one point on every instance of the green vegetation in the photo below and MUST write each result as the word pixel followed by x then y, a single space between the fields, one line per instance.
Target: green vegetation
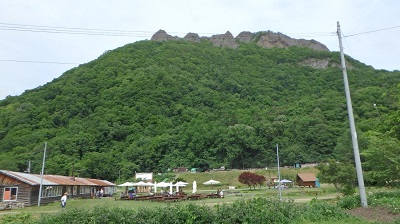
pixel 252 206
pixel 152 106
pixel 256 210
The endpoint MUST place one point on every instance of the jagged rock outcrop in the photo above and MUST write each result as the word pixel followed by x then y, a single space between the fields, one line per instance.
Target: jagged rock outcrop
pixel 224 40
pixel 316 63
pixel 192 37
pixel 266 39
pixel 162 35
pixel 270 39
pixel 245 36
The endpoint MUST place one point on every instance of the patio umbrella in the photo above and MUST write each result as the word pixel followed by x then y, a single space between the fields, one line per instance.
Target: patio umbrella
pixel 194 187
pixel 164 184
pixel 286 181
pixel 126 184
pixel 211 182
pixel 140 183
pixel 180 184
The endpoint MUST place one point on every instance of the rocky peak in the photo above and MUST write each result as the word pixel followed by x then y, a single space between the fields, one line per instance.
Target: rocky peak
pixel 192 37
pixel 162 35
pixel 224 40
pixel 266 39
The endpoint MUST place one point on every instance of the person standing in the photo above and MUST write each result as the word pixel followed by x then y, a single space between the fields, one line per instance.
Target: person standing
pixel 64 200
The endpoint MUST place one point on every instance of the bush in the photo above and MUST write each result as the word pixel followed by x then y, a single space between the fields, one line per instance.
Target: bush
pixel 349 202
pixel 257 210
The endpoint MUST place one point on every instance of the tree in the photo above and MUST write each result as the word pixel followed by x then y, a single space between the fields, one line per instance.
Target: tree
pixel 382 160
pixel 341 175
pixel 251 179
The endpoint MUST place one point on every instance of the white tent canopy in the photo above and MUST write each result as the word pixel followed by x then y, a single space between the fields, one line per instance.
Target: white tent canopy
pixel 143 184
pixel 180 184
pixel 164 184
pixel 283 181
pixel 126 184
pixel 211 182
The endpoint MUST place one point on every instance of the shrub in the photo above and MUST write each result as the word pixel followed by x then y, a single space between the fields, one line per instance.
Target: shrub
pixel 349 202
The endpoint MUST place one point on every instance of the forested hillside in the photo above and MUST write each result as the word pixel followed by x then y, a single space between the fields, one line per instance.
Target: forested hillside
pixel 153 106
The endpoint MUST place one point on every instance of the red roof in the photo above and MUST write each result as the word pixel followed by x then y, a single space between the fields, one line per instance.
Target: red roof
pixel 54 180
pixel 307 177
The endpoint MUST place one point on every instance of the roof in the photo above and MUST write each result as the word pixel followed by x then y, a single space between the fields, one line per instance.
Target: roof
pixel 54 180
pixel 307 176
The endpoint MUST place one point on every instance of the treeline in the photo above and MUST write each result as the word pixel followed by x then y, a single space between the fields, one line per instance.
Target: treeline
pixel 152 106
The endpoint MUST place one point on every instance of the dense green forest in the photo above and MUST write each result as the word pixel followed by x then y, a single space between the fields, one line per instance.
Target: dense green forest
pixel 152 106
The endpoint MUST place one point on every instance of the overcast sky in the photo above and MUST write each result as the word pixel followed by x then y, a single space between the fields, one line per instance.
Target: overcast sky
pixel 33 32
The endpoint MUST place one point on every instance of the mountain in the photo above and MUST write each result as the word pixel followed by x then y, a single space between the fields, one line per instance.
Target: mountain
pixel 196 102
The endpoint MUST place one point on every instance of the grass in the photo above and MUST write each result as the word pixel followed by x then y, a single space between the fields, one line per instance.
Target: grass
pixel 230 178
pixel 227 178
pixel 296 194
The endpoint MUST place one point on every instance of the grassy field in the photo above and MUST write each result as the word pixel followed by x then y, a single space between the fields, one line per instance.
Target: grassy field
pixel 230 178
pixel 296 194
pixel 227 178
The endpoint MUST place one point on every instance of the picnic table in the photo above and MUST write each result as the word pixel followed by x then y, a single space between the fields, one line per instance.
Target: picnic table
pixel 195 196
pixel 213 195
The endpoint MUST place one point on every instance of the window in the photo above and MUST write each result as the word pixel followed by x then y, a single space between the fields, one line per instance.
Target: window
pixel 51 191
pixel 10 194
pixel 84 190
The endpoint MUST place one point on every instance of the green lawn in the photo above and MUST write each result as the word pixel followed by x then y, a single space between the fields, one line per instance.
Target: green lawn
pixel 296 194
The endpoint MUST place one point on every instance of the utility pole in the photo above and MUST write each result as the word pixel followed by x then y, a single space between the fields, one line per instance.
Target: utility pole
pixel 360 178
pixel 41 177
pixel 279 173
pixel 29 167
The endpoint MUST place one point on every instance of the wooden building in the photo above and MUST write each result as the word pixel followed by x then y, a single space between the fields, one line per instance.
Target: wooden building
pixel 22 189
pixel 306 179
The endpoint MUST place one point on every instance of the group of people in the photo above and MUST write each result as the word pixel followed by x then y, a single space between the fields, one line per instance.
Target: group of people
pixel 100 193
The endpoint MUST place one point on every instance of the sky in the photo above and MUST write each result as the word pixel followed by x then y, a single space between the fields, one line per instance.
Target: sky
pixel 42 39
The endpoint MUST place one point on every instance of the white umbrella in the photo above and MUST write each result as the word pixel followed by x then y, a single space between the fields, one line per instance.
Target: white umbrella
pixel 140 183
pixel 148 184
pixel 164 184
pixel 126 184
pixel 283 181
pixel 194 187
pixel 211 182
pixel 286 181
pixel 180 184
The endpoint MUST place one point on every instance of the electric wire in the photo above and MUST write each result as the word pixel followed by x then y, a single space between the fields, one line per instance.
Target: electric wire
pixel 120 33
pixel 130 33
pixel 373 31
pixel 39 62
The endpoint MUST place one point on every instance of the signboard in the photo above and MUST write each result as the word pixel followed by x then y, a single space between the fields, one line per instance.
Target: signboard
pixel 144 176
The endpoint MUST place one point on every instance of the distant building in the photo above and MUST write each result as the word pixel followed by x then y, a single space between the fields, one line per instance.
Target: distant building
pixel 22 189
pixel 180 170
pixel 146 177
pixel 306 179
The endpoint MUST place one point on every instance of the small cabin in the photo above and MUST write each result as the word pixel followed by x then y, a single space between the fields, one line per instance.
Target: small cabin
pixel 306 180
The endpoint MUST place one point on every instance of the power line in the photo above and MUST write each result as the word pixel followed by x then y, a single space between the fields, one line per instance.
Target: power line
pixel 373 31
pixel 73 30
pixel 39 62
pixel 120 33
